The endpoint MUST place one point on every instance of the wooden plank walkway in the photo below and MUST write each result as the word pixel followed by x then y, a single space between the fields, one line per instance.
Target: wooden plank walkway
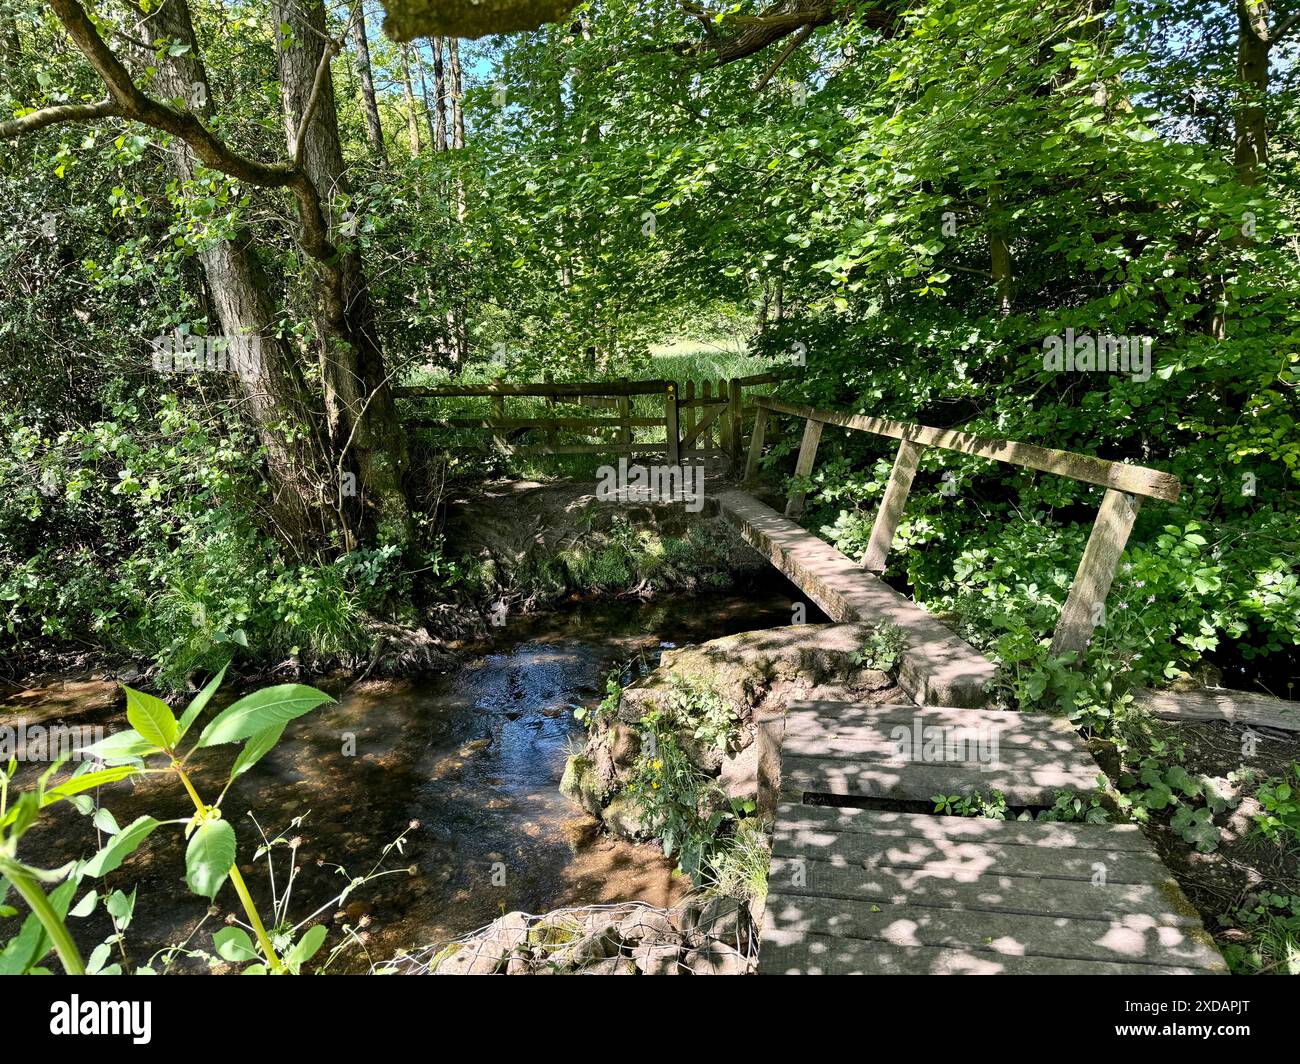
pixel 937 668
pixel 1234 707
pixel 856 890
pixel 911 753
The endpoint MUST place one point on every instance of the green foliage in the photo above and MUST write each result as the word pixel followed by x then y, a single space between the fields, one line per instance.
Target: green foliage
pixel 679 802
pixel 1279 797
pixel 994 807
pixel 210 856
pixel 1273 946
pixel 607 708
pixel 883 649
pixel 710 719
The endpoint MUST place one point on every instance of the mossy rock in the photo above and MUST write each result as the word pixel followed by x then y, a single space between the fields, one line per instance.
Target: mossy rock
pixel 581 784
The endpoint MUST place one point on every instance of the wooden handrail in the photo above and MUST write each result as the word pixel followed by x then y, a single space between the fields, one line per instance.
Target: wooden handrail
pixel 1134 479
pixel 576 388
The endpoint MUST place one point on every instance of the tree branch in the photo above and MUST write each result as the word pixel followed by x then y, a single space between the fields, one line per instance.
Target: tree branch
pixel 126 100
pixel 318 82
pixel 780 20
pixel 50 116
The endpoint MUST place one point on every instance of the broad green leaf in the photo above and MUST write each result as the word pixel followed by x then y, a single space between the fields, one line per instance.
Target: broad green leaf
pixel 209 856
pixel 261 711
pixel 233 944
pixel 86 781
pixel 306 947
pixel 86 906
pixel 200 702
pixel 120 748
pixel 121 846
pixel 106 822
pixel 255 749
pixel 121 907
pixel 151 717
pixel 98 957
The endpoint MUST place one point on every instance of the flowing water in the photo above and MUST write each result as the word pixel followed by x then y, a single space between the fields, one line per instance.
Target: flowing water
pixel 474 757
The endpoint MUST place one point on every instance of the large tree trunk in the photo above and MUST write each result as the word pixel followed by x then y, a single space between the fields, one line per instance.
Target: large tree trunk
pixel 276 398
pixel 374 129
pixel 365 433
pixel 1250 140
pixel 460 330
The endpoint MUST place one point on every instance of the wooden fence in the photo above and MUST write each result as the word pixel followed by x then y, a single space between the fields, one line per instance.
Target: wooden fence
pixel 1125 485
pixel 705 424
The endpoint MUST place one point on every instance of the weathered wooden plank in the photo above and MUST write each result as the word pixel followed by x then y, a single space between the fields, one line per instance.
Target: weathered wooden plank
pixel 756 446
pixel 892 506
pixel 1235 707
pixel 882 824
pixel 803 466
pixel 1087 598
pixel 673 435
pixel 966 861
pixel 593 423
pixel 1137 480
pixel 828 955
pixel 828 712
pixel 792 920
pixel 1028 784
pixel 498 414
pixel 735 411
pixel 1030 895
pixel 867 744
pixel 569 388
pixel 704 428
pixel 936 667
pixel 573 448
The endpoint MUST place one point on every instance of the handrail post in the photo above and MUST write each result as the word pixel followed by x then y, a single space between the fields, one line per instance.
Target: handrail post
pixel 737 423
pixel 756 445
pixel 812 434
pixel 498 412
pixel 892 505
pixel 1084 606
pixel 625 412
pixel 673 439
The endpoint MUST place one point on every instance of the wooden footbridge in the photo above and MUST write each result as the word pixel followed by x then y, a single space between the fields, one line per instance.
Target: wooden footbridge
pixel 855 884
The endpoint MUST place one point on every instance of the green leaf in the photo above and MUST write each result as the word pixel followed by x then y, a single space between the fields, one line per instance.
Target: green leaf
pixel 209 856
pixel 86 781
pixel 305 948
pixel 255 749
pixel 120 748
pixel 121 846
pixel 86 906
pixel 152 718
pixel 261 711
pixel 233 944
pixel 200 702
pixel 121 907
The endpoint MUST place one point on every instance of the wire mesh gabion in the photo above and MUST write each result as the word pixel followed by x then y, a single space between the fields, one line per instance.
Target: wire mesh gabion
pixel 701 936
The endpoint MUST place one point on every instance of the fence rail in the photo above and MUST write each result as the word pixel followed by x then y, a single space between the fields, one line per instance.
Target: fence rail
pixel 704 424
pixel 1125 485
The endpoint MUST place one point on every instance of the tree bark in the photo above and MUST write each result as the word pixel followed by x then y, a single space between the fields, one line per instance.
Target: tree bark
pixel 276 397
pixel 364 431
pixel 1250 132
pixel 460 330
pixel 374 128
pixel 440 96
